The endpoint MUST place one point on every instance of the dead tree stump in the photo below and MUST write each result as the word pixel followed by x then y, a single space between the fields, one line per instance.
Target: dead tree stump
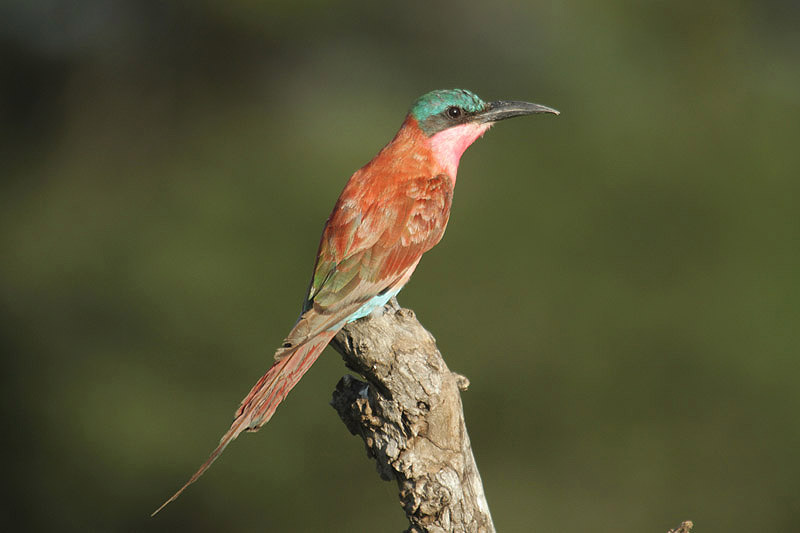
pixel 410 416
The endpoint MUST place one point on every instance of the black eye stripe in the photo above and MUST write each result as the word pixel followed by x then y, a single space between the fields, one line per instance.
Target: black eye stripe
pixel 454 112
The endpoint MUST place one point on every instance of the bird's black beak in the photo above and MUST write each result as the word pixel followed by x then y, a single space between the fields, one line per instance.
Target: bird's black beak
pixel 502 110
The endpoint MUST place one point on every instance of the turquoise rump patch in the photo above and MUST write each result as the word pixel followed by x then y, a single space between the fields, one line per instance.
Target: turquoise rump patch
pixel 374 303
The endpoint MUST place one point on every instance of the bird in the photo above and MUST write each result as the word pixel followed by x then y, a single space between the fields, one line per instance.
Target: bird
pixel 391 211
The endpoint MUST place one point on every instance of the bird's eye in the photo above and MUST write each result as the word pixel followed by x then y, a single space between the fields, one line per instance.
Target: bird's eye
pixel 454 112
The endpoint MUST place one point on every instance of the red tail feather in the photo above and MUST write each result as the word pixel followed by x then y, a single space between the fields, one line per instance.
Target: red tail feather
pixel 265 396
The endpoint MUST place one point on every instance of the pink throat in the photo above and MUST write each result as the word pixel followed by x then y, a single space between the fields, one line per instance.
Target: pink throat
pixel 449 145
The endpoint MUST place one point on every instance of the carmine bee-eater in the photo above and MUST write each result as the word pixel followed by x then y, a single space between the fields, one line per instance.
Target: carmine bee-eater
pixel 392 210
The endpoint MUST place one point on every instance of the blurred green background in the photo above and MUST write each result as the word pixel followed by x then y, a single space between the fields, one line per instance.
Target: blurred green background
pixel 620 283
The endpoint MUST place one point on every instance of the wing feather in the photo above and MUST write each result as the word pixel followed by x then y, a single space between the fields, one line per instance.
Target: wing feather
pixel 372 239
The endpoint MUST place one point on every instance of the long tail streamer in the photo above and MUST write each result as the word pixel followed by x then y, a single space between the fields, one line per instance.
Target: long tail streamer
pixel 265 396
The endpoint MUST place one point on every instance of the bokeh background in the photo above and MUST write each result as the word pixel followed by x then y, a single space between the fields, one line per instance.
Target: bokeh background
pixel 620 283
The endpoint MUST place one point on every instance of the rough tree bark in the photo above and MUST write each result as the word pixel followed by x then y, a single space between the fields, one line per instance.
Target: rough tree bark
pixel 410 416
pixel 685 527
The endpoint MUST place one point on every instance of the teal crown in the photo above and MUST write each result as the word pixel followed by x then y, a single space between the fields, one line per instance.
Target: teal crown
pixel 429 107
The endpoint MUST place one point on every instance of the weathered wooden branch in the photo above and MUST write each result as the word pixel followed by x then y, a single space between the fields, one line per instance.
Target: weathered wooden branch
pixel 685 527
pixel 410 416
